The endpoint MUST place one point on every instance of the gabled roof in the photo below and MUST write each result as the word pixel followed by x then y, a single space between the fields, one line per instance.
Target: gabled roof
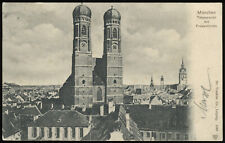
pixel 155 100
pixel 160 118
pixel 61 118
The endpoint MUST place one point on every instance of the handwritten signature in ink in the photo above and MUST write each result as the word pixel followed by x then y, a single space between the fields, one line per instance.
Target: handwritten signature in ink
pixel 205 94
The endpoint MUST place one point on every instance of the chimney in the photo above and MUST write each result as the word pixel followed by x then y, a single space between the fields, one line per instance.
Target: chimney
pixel 84 109
pixel 127 116
pixel 40 105
pixel 7 112
pixel 90 119
pixel 149 105
pixel 52 106
pixel 72 107
pixel 111 107
pixel 177 101
pixel 101 110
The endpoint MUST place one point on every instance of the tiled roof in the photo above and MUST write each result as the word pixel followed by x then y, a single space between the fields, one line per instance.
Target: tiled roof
pixel 167 96
pixel 28 111
pixel 47 103
pixel 160 118
pixel 61 118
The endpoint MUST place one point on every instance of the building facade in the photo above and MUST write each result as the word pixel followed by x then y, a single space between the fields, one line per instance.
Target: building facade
pixel 59 125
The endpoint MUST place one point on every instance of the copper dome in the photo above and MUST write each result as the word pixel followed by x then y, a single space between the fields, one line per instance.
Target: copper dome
pixel 112 14
pixel 82 10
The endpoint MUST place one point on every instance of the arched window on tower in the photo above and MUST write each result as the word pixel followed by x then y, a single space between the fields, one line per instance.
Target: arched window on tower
pixel 76 30
pixel 108 33
pixel 114 33
pixel 83 82
pixel 84 30
pixel 99 94
pixel 88 31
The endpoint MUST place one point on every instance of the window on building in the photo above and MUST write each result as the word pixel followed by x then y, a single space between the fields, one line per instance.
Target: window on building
pixel 169 136
pixel 83 30
pixel 186 137
pixel 73 132
pixel 114 81
pixel 57 132
pixel 178 136
pixel 65 132
pixel 142 134
pixel 163 136
pixel 114 33
pixel 148 134
pixel 34 132
pixel 49 132
pixel 42 132
pixel 81 132
pixel 154 134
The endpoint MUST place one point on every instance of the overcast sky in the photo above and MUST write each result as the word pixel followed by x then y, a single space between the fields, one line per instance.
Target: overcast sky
pixel 37 41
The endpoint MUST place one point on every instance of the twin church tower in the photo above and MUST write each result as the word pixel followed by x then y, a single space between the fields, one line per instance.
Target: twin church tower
pixel 94 80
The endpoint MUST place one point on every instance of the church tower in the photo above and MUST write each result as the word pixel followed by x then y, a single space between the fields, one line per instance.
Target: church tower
pixel 77 90
pixel 151 84
pixel 182 77
pixel 112 56
pixel 162 83
pixel 82 56
pixel 182 74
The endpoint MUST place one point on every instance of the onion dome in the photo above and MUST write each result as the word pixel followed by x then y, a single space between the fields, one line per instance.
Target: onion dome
pixel 82 10
pixel 112 14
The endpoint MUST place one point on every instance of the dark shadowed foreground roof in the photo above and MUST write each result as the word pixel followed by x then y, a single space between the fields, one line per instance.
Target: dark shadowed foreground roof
pixel 9 127
pixel 102 126
pixel 61 118
pixel 159 117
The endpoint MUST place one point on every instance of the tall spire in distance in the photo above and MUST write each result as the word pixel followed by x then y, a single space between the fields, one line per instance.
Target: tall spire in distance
pixel 151 84
pixel 182 64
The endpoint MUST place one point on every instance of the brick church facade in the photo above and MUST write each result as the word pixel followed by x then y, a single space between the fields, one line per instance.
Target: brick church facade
pixel 94 80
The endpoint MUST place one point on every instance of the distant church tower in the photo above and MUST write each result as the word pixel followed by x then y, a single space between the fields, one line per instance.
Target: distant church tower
pixel 182 77
pixel 112 56
pixel 151 84
pixel 77 90
pixel 162 83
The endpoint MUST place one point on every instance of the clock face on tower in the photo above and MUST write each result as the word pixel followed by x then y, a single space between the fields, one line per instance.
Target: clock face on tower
pixel 114 46
pixel 83 45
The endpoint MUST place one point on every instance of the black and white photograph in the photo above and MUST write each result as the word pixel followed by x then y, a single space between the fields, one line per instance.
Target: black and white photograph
pixel 84 71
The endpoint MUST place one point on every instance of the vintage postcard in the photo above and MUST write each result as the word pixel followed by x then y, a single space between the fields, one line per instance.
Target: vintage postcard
pixel 112 72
